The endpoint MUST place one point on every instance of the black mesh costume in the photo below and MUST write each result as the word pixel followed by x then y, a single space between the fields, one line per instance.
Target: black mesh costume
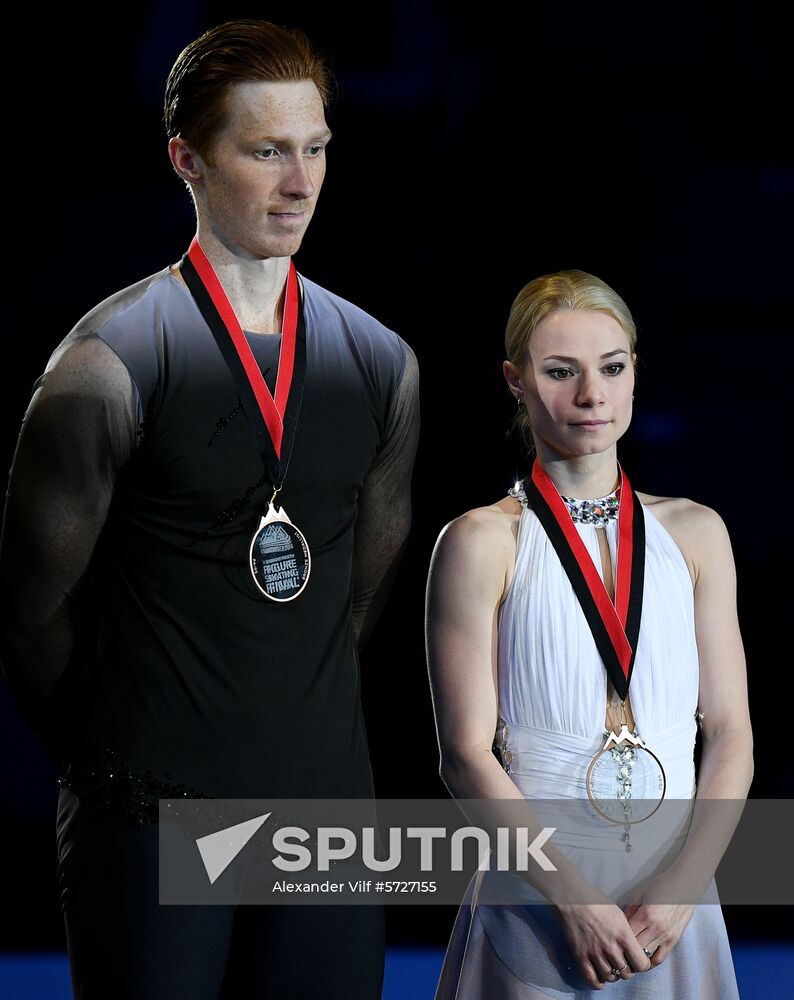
pixel 132 630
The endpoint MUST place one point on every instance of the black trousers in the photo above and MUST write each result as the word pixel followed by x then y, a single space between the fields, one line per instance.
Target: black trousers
pixel 125 946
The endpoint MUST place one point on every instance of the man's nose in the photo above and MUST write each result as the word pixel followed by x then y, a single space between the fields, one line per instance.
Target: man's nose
pixel 297 181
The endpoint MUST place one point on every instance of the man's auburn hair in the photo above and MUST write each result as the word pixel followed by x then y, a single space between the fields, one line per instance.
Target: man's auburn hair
pixel 234 52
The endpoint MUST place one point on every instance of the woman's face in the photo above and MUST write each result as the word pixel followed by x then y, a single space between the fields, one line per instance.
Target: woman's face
pixel 577 382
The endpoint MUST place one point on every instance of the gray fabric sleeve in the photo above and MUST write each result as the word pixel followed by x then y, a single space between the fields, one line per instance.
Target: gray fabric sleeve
pixel 384 504
pixel 79 429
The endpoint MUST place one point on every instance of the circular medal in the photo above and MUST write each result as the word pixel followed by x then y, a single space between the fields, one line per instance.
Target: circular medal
pixel 625 779
pixel 279 557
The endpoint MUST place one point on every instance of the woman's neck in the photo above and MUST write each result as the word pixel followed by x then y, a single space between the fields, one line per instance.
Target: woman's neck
pixel 584 477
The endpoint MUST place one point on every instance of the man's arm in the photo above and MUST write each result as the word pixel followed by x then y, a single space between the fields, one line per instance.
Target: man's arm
pixel 78 430
pixel 384 505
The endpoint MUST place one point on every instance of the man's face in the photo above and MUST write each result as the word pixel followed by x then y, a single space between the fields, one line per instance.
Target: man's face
pixel 268 164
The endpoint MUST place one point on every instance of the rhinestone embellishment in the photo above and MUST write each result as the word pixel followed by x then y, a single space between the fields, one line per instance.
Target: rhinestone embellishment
pixel 598 512
pixel 501 745
pixel 625 757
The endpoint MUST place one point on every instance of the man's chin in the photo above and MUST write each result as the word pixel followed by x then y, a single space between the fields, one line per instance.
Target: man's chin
pixel 285 246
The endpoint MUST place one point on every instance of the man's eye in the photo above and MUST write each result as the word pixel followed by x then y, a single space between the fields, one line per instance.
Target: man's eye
pixel 316 149
pixel 267 154
pixel 560 374
pixel 614 369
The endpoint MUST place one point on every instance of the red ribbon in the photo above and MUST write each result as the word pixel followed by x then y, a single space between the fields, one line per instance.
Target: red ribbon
pixel 614 616
pixel 272 410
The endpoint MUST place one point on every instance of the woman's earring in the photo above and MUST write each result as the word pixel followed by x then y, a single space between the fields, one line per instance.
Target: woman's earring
pixel 519 402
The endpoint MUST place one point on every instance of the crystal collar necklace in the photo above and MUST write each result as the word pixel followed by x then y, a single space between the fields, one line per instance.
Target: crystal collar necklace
pixel 599 511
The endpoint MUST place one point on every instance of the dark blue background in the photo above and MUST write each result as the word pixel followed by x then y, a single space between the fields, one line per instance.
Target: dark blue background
pixel 649 144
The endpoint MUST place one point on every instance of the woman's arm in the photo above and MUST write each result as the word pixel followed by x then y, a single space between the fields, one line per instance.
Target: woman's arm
pixel 469 575
pixel 726 766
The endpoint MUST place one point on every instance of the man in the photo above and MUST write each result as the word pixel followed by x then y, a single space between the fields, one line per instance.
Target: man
pixel 187 561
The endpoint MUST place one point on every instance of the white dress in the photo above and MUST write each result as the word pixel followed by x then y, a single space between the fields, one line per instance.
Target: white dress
pixel 552 697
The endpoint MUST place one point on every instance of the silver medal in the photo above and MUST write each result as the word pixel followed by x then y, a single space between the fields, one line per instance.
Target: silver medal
pixel 279 557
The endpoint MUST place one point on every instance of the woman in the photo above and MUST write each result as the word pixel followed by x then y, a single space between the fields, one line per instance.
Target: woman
pixel 544 640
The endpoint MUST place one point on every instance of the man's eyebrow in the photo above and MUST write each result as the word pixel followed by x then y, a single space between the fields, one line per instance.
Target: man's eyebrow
pixel 609 354
pixel 324 134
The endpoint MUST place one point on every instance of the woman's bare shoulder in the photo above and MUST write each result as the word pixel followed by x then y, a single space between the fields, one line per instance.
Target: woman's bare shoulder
pixel 698 530
pixel 681 513
pixel 484 532
pixel 499 518
pixel 485 538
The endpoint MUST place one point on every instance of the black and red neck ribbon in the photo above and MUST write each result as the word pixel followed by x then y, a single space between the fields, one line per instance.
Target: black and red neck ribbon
pixel 273 421
pixel 615 627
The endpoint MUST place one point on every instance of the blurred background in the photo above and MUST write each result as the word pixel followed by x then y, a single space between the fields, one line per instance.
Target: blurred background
pixel 472 151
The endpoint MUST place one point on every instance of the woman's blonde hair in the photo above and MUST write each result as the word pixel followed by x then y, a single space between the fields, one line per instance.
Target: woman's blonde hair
pixel 551 293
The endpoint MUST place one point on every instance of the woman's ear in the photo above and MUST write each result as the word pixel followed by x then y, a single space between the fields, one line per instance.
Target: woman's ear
pixel 513 379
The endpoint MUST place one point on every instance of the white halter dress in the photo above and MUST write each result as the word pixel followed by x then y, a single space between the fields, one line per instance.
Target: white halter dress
pixel 552 699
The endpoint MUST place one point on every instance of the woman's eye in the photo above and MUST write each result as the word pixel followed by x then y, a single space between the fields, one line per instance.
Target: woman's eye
pixel 614 369
pixel 560 374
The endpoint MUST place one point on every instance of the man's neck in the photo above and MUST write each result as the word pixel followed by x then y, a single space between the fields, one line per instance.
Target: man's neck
pixel 254 287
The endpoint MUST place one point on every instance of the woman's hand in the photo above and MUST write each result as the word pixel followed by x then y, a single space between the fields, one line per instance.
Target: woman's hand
pixel 658 926
pixel 602 940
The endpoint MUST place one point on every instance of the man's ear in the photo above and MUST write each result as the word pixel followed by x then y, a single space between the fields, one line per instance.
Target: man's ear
pixel 187 163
